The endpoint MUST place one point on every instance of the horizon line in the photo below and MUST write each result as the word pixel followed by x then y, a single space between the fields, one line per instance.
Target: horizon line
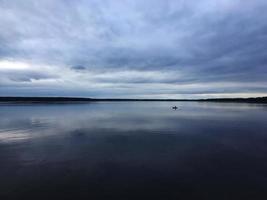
pixel 61 98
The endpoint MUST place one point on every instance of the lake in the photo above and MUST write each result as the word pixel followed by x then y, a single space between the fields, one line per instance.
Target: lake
pixel 133 150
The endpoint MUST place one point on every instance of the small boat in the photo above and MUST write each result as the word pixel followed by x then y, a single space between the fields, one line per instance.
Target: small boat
pixel 174 107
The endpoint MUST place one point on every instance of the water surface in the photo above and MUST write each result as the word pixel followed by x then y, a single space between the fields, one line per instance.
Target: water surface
pixel 133 150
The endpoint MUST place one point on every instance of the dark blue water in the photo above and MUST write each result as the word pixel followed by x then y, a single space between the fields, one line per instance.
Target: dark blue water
pixel 133 150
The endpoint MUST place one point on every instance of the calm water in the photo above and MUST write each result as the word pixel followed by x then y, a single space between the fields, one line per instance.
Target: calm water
pixel 133 150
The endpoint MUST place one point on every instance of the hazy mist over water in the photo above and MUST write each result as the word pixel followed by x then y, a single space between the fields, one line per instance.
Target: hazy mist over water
pixel 133 150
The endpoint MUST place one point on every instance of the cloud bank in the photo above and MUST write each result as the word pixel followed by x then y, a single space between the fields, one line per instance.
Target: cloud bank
pixel 133 48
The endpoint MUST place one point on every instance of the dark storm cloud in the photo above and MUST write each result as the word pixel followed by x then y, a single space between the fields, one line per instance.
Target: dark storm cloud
pixel 95 46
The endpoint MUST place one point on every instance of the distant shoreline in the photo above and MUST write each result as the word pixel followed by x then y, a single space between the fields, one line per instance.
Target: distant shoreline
pixel 84 100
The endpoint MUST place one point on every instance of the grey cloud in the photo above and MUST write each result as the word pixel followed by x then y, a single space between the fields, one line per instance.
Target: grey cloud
pixel 206 41
pixel 78 67
pixel 15 77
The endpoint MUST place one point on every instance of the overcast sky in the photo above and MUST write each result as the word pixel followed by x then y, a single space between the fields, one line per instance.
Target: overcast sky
pixel 133 48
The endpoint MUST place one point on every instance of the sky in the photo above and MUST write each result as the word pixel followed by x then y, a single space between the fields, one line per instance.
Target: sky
pixel 133 48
